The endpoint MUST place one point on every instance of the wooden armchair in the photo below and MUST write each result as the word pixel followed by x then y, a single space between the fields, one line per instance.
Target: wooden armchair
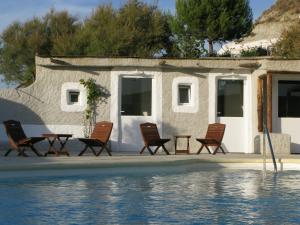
pixel 18 140
pixel 99 138
pixel 151 138
pixel 214 137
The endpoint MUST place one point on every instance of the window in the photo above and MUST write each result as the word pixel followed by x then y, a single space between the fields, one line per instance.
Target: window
pixel 184 94
pixel 230 98
pixel 136 96
pixel 73 97
pixel 288 98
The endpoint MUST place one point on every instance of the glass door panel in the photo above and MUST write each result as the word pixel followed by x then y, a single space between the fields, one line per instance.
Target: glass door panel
pixel 230 98
pixel 136 98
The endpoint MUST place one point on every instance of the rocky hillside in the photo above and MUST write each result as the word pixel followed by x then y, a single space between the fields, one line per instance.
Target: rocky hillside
pixel 275 20
pixel 269 26
pixel 281 11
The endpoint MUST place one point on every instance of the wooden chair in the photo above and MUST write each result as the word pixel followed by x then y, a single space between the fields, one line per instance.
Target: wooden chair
pixel 99 138
pixel 151 138
pixel 214 137
pixel 18 140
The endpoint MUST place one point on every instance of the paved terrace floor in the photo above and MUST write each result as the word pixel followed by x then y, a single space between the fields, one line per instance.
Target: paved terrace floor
pixel 15 163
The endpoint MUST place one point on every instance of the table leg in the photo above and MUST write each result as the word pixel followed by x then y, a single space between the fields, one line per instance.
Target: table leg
pixel 188 145
pixel 175 145
pixel 63 149
pixel 51 149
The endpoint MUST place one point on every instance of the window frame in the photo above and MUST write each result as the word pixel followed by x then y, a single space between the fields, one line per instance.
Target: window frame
pixel 183 86
pixel 149 114
pixel 278 96
pixel 218 111
pixel 65 103
pixel 193 105
pixel 73 93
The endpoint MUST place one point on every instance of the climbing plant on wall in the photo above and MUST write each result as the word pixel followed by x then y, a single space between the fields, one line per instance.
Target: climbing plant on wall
pixel 94 95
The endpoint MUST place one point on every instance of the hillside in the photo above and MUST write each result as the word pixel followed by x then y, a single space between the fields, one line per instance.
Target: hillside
pixel 269 26
pixel 275 20
pixel 281 11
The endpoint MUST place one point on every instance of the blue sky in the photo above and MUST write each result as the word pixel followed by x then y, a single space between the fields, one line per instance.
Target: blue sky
pixel 21 10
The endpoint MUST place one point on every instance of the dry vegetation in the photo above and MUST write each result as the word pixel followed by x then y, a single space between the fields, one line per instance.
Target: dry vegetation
pixel 282 10
pixel 289 44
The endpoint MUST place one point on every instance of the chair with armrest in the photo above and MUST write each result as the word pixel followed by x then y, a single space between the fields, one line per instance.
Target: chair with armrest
pixel 18 140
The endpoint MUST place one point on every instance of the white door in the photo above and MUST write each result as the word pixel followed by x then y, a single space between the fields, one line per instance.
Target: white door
pixel 231 111
pixel 136 107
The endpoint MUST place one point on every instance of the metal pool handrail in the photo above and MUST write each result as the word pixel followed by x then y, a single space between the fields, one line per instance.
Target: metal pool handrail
pixel 266 132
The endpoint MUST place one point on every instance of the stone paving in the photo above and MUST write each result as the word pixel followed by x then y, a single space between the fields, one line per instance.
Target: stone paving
pixel 13 163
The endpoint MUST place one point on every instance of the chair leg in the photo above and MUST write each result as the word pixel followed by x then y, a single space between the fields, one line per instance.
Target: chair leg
pixel 21 152
pixel 166 151
pixel 93 150
pixel 83 151
pixel 155 151
pixel 200 149
pixel 149 149
pixel 222 150
pixel 208 149
pixel 35 151
pixel 8 151
pixel 219 147
pixel 108 150
pixel 101 150
pixel 143 149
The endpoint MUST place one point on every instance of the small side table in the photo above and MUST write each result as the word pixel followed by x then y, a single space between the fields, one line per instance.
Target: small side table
pixel 62 139
pixel 183 151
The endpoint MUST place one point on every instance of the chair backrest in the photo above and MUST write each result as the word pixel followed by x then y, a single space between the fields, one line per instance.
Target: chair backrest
pixel 14 131
pixel 215 131
pixel 102 131
pixel 149 132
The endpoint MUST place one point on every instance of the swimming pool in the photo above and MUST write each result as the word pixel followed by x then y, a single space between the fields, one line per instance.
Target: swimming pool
pixel 183 194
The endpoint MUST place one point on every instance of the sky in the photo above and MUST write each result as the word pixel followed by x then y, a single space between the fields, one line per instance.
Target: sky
pixel 22 10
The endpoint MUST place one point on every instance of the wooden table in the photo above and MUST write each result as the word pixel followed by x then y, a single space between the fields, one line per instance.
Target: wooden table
pixel 183 151
pixel 62 140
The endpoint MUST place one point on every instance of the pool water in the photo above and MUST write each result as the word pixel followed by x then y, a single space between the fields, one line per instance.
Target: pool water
pixel 182 194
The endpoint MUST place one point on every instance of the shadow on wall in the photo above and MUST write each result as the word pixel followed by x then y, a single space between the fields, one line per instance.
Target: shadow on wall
pixel 32 124
pixel 15 111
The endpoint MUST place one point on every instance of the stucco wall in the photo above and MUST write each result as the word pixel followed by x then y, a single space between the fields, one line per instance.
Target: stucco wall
pixel 38 106
pixel 175 123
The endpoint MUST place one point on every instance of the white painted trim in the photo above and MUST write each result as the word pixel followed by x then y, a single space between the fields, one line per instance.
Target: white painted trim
pixel 193 106
pixel 212 103
pixel 64 102
pixel 116 75
pixel 287 125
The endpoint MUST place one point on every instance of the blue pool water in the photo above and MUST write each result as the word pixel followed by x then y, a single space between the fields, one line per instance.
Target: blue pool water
pixel 182 194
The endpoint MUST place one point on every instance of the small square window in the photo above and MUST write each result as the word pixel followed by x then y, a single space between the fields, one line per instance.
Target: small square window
pixel 184 94
pixel 73 97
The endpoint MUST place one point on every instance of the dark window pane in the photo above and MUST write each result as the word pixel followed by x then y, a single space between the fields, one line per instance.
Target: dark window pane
pixel 288 98
pixel 184 94
pixel 136 96
pixel 230 98
pixel 73 96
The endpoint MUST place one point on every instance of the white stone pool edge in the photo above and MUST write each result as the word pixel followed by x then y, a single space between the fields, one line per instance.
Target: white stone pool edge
pixel 59 165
